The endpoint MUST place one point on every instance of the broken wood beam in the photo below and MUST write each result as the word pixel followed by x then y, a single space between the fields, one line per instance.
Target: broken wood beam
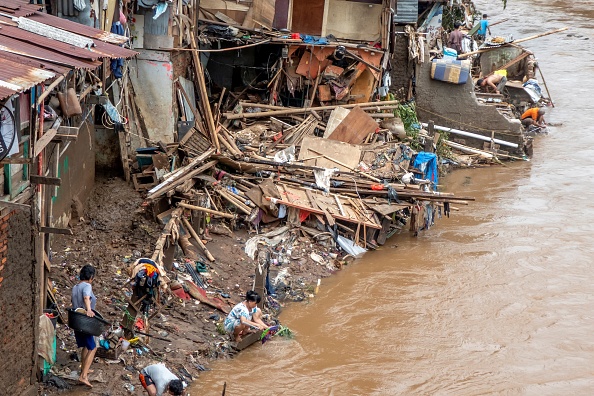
pixel 320 211
pixel 206 210
pixel 203 93
pixel 375 179
pixel 190 229
pixel 56 230
pixel 172 177
pixel 52 181
pixel 233 116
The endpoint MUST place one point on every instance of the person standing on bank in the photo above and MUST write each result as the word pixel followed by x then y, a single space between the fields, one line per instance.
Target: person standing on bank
pixel 83 297
pixel 482 32
pixel 455 40
pixel 244 316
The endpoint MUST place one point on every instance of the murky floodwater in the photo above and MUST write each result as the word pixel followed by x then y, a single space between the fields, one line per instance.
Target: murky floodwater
pixel 497 299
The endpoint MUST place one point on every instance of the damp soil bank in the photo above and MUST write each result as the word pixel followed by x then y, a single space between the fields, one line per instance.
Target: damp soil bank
pixel 111 232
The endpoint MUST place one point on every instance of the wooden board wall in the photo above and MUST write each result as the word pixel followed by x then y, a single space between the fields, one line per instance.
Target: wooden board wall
pixel 355 127
pixel 308 17
pixel 346 153
pixel 353 20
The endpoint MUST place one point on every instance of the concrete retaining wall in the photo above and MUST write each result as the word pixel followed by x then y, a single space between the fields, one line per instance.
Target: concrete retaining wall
pixel 455 106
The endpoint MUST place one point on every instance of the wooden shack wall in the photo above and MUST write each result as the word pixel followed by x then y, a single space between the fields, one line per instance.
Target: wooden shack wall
pixel 352 20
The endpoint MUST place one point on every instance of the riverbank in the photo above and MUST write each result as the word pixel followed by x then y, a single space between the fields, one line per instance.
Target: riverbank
pixel 112 232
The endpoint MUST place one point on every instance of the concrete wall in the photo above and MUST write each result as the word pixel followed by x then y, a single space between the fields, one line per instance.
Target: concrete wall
pixel 455 106
pixel 77 171
pixel 18 311
pixel 152 80
pixel 402 69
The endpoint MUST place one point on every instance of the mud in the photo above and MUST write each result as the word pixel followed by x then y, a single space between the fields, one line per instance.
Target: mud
pixel 111 233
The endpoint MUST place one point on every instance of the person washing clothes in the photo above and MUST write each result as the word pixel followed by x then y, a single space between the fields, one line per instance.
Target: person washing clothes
pixel 245 316
pixel 534 116
pixel 83 297
pixel 156 379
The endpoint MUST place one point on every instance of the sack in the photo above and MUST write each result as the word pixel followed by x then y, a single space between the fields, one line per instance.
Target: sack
pixel 80 5
pixel 69 103
pixel 450 71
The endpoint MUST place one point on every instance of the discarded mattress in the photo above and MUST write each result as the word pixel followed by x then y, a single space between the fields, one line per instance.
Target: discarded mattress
pixel 451 71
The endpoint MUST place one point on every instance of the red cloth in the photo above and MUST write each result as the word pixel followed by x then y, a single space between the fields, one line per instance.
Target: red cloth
pixel 303 215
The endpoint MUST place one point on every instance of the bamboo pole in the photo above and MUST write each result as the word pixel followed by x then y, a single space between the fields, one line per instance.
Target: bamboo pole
pixel 375 179
pixel 540 35
pixel 546 86
pixel 190 229
pixel 232 116
pixel 514 42
pixel 203 94
pixel 206 210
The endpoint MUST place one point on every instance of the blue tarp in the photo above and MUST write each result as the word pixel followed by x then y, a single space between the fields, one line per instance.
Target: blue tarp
pixel 427 163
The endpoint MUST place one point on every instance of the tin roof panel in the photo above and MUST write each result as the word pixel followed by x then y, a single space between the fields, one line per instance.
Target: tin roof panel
pixel 16 77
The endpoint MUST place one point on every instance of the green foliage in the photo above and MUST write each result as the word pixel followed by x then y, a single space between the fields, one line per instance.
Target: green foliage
pixel 408 115
pixel 443 151
pixel 451 15
pixel 285 332
pixel 221 328
pixel 504 3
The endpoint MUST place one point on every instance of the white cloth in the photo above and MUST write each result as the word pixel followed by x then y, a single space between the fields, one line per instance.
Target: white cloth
pixel 160 375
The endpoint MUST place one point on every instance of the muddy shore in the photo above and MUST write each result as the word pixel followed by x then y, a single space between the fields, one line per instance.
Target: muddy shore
pixel 111 232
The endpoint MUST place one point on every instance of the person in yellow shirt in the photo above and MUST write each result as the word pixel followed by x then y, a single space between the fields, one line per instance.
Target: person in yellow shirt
pixel 534 116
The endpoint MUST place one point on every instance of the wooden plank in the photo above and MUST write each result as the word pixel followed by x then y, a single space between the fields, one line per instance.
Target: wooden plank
pixel 47 262
pixel 262 13
pixel 355 127
pixel 43 141
pixel 14 205
pixel 319 211
pixel 55 230
pixel 222 17
pixel 52 181
pixel 20 160
pixel 383 234
pixel 308 17
pixel 349 154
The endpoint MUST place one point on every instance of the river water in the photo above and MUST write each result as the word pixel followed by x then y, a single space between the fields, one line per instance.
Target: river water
pixel 497 299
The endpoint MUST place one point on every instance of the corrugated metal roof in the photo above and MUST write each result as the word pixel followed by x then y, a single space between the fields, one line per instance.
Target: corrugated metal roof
pixel 27 58
pixel 100 50
pixel 54 45
pixel 58 69
pixel 407 11
pixel 33 51
pixel 77 28
pixel 18 9
pixel 16 77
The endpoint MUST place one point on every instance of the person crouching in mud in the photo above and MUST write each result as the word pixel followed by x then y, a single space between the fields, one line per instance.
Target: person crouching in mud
pixel 244 317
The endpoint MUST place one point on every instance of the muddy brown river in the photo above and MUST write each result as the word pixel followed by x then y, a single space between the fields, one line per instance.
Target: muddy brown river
pixel 498 299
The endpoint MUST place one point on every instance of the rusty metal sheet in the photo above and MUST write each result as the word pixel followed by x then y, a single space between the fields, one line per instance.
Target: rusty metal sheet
pixel 77 28
pixel 59 69
pixel 16 77
pixel 32 51
pixel 54 45
pixel 100 50
pixel 18 8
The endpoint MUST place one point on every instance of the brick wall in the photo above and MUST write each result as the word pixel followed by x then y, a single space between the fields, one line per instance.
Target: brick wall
pixel 17 303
